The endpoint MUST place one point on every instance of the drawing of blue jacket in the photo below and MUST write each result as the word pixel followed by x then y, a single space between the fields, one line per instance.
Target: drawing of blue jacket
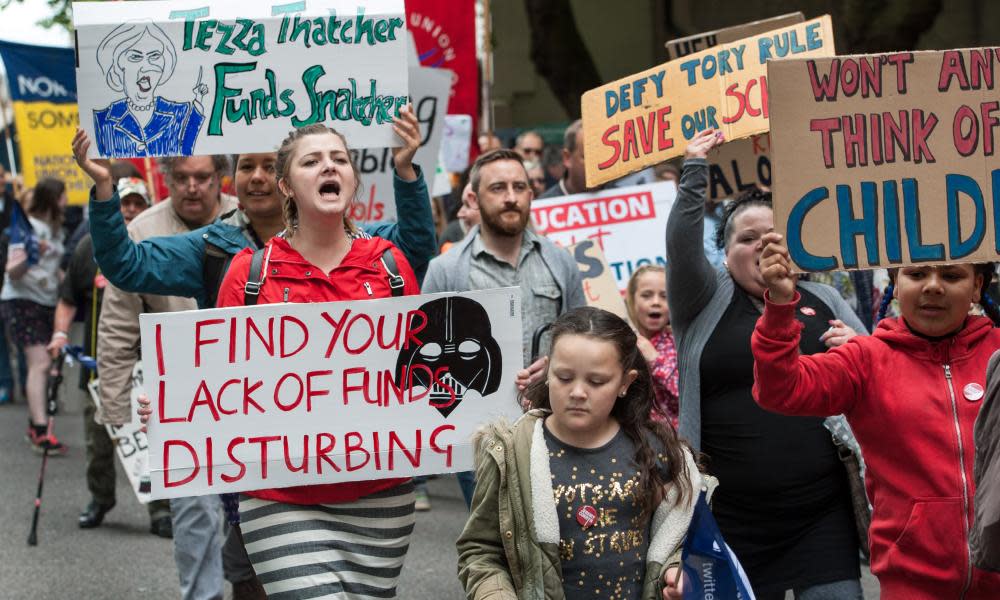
pixel 172 131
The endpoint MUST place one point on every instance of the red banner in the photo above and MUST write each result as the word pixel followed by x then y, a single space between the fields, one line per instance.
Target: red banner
pixel 445 34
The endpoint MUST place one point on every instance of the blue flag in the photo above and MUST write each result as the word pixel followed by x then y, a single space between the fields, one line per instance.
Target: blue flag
pixel 711 570
pixel 21 232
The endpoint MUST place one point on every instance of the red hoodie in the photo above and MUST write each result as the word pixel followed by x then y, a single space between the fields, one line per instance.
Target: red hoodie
pixel 291 278
pixel 912 404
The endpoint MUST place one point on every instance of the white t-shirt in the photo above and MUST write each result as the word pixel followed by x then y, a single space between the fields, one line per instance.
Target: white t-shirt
pixel 41 283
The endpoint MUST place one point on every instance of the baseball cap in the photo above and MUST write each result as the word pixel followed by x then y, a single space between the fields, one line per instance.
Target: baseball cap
pixel 132 185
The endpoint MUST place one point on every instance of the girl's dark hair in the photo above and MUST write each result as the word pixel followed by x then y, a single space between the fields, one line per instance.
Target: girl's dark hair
pixel 747 199
pixel 45 202
pixel 986 301
pixel 632 410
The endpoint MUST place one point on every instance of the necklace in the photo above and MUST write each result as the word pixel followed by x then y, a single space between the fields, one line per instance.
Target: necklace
pixel 136 107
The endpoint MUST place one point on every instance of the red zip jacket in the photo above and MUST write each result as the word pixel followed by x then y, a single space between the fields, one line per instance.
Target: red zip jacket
pixel 912 404
pixel 291 278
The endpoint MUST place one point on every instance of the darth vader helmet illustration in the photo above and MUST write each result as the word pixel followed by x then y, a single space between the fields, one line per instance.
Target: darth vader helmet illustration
pixel 458 354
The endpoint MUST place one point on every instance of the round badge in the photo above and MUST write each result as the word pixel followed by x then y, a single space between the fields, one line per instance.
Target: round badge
pixel 973 392
pixel 808 311
pixel 586 516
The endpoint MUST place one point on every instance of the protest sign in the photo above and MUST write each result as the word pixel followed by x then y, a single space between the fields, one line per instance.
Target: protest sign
pixel 887 159
pixel 457 142
pixel 184 77
pixel 429 91
pixel 627 223
pixel 739 165
pixel 681 47
pixel 599 285
pixel 43 92
pixel 129 439
pixel 283 395
pixel 650 117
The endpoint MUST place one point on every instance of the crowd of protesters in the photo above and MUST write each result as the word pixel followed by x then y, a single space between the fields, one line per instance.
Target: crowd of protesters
pixel 825 433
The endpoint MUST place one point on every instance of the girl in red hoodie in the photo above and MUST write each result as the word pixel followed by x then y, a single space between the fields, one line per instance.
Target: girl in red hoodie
pixel 911 392
pixel 343 540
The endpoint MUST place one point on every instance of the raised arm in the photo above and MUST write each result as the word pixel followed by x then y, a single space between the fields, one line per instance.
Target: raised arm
pixel 414 231
pixel 166 265
pixel 818 385
pixel 691 280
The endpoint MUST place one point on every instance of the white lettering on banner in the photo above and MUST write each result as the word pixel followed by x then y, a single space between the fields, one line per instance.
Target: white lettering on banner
pixel 40 86
pixel 281 395
pixel 628 224
pixel 601 211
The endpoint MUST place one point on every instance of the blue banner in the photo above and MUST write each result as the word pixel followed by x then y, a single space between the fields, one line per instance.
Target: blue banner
pixel 39 73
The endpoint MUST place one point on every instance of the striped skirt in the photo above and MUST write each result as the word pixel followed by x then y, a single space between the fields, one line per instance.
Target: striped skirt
pixel 349 551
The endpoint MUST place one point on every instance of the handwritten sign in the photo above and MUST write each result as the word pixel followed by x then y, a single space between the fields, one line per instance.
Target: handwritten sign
pixel 626 223
pixel 429 89
pixel 739 165
pixel 599 285
pixel 188 77
pixel 887 159
pixel 283 395
pixel 681 47
pixel 131 445
pixel 649 117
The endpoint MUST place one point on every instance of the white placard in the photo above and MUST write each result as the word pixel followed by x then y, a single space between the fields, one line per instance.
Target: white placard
pixel 629 224
pixel 191 77
pixel 457 142
pixel 281 395
pixel 429 89
pixel 130 441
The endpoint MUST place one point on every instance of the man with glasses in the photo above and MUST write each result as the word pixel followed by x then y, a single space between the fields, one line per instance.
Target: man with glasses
pixel 529 144
pixel 195 200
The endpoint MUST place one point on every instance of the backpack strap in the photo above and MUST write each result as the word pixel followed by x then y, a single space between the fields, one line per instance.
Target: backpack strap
pixel 396 281
pixel 255 278
pixel 214 264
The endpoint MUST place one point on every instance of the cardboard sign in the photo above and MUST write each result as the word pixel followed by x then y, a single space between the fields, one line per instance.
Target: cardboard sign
pixel 598 284
pixel 650 117
pixel 887 159
pixel 43 95
pixel 696 43
pixel 281 395
pixel 739 165
pixel 429 89
pixel 627 223
pixel 131 445
pixel 188 77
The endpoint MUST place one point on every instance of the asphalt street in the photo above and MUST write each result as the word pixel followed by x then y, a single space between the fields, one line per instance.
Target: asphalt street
pixel 121 559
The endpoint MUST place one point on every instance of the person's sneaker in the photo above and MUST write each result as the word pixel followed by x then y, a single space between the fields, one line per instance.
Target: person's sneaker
pixel 93 515
pixel 162 526
pixel 422 501
pixel 40 442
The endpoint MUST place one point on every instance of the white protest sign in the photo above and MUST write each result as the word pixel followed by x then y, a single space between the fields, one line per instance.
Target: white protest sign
pixel 280 395
pixel 130 442
pixel 627 223
pixel 188 77
pixel 457 142
pixel 429 89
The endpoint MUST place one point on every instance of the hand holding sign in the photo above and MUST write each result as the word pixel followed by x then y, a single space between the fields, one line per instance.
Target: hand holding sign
pixel 776 269
pixel 99 169
pixel 408 129
pixel 702 142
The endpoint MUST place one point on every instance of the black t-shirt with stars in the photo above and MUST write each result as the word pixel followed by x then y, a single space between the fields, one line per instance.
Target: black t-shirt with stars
pixel 607 559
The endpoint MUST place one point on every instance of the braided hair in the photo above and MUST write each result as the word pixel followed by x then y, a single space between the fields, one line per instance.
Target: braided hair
pixel 986 301
pixel 748 198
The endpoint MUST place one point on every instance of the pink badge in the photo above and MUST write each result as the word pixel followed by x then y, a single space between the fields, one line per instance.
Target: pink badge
pixel 973 392
pixel 586 516
pixel 808 311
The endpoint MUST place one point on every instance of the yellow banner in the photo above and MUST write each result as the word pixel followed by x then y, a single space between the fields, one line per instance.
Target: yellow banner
pixel 45 134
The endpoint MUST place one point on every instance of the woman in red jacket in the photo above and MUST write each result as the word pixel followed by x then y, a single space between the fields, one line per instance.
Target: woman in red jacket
pixel 911 392
pixel 344 540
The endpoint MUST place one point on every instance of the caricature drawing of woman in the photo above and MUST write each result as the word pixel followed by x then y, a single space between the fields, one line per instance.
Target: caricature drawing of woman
pixel 136 58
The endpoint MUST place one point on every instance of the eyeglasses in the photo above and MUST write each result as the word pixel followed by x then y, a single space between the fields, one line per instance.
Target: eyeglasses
pixel 537 151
